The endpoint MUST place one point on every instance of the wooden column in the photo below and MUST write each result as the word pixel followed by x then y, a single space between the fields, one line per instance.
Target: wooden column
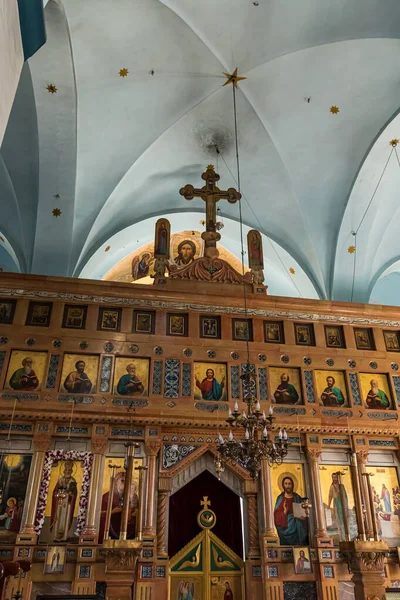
pixel 362 457
pixel 127 491
pixel 250 490
pixel 313 455
pixel 357 496
pixel 164 489
pixel 42 444
pixel 267 501
pixel 152 450
pixel 89 533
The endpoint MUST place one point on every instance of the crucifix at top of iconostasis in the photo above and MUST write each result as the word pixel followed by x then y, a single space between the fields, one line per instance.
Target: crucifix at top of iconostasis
pixel 211 194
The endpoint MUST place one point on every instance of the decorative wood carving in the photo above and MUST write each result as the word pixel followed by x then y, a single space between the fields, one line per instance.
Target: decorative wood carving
pixel 99 445
pixel 214 269
pixel 313 454
pixel 152 448
pixel 42 442
pixel 162 516
pixel 121 559
pixel 362 456
pixel 254 546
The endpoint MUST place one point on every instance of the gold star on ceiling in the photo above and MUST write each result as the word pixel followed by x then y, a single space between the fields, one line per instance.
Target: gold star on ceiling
pixel 56 212
pixel 334 110
pixel 107 248
pixel 351 249
pixel 51 88
pixel 123 72
pixel 233 78
pixel 394 142
pixel 292 271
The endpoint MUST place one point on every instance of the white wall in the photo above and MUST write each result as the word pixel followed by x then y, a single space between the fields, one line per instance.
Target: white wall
pixel 11 59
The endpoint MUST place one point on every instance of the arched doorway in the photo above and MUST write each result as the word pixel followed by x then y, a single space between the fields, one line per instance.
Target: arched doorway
pixel 185 505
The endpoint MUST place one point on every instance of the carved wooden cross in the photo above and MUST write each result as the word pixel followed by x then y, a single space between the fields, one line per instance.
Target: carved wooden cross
pixel 211 194
pixel 205 502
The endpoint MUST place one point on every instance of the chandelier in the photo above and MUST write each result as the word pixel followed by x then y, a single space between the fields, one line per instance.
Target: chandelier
pixel 258 443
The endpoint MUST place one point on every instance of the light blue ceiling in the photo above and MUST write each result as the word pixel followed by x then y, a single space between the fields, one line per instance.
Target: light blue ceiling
pixel 112 152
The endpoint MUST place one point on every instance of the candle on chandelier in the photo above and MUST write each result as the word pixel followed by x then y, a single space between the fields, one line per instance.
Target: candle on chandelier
pixel 265 432
pixel 230 436
pixel 229 412
pixel 220 438
pixel 280 434
pixel 236 407
pixel 271 412
pixel 247 435
pixel 263 415
pixel 284 435
pixel 258 407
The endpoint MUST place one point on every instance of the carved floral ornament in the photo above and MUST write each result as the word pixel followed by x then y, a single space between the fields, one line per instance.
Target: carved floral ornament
pixel 367 561
pixel 121 560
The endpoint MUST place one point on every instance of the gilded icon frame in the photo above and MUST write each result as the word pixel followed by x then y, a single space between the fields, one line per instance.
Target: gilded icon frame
pixel 141 328
pixel 77 307
pixel 368 338
pixel 35 320
pixel 304 334
pixel 238 334
pixel 334 336
pixel 210 327
pixel 12 304
pixel 177 324
pixel 116 315
pixel 272 327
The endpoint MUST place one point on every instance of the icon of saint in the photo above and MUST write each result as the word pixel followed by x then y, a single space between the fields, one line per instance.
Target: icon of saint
pixel 210 388
pixel 286 393
pixel 77 382
pixel 292 531
pixel 116 509
pixel 335 501
pixel 25 378
pixel 377 398
pixel 332 395
pixel 62 508
pixel 130 384
pixel 186 253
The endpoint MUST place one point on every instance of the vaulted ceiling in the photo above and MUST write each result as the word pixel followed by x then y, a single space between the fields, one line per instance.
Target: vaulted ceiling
pixel 111 152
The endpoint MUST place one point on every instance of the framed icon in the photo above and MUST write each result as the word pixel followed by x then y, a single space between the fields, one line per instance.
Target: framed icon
pixel 177 324
pixel 39 314
pixel 331 388
pixel 364 338
pixel 285 385
pixel 79 373
pixel 304 334
pixel 109 319
pixel 242 330
pixel 26 371
pixel 273 332
pixel 302 561
pixel 55 560
pixel 7 310
pixel 392 341
pixel 74 316
pixel 376 391
pixel 210 327
pixel 334 336
pixel 131 376
pixel 210 381
pixel 144 321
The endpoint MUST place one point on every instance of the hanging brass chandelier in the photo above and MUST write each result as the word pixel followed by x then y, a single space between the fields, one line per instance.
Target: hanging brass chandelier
pixel 259 441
